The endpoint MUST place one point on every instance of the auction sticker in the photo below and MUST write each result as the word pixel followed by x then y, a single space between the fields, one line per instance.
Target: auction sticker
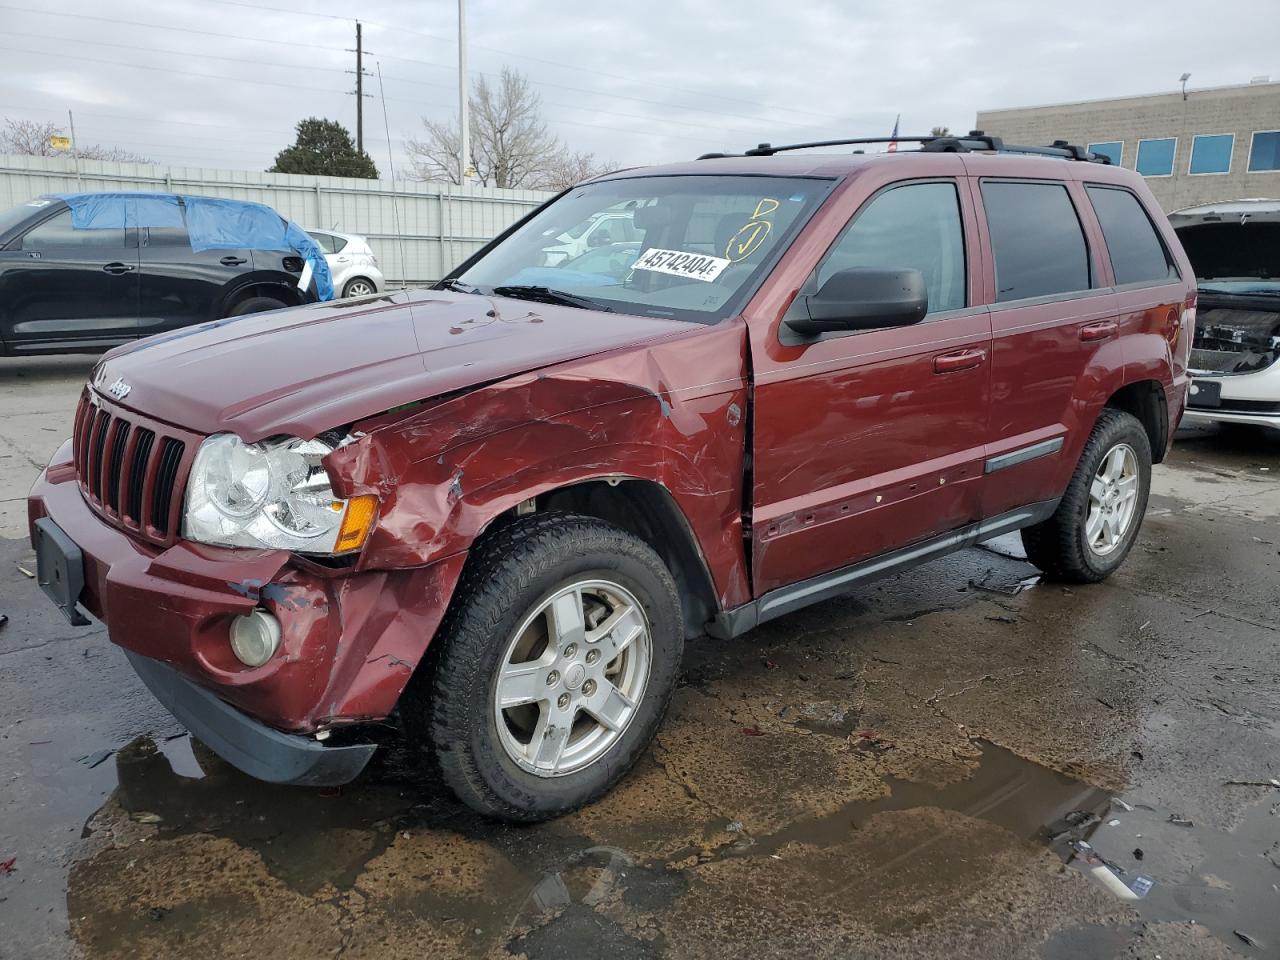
pixel 695 266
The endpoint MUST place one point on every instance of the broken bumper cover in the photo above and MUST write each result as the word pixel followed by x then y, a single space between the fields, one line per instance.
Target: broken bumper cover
pixel 253 747
pixel 350 639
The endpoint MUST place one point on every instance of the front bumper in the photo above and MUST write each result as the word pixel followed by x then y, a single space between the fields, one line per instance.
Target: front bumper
pixel 350 640
pixel 255 748
pixel 1251 398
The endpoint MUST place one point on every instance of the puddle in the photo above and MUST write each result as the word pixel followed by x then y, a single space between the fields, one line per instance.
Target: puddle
pixel 547 891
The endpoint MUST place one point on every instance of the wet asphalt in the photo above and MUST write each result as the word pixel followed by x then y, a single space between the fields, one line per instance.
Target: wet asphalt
pixel 910 771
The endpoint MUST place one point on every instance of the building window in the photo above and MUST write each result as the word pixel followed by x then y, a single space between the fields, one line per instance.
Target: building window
pixel 1155 157
pixel 1264 152
pixel 1111 149
pixel 1211 153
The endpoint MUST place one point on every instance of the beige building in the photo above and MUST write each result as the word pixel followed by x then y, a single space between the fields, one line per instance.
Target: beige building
pixel 1221 143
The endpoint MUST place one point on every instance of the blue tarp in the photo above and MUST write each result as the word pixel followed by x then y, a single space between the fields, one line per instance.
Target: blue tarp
pixel 212 224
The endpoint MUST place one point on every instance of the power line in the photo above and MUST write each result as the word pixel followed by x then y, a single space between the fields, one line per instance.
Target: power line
pixel 428 63
pixel 524 56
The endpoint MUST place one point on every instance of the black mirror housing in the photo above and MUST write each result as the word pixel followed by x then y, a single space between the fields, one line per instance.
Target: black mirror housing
pixel 863 298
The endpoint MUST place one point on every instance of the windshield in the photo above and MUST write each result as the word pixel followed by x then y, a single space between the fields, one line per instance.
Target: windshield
pixel 695 246
pixel 19 214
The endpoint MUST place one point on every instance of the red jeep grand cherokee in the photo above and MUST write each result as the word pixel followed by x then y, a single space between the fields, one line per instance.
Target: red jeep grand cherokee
pixel 495 510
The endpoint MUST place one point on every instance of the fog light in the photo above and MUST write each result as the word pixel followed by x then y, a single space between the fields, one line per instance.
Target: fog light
pixel 254 638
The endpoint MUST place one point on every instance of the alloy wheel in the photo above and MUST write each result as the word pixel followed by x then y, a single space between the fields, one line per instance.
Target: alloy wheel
pixel 572 678
pixel 1113 497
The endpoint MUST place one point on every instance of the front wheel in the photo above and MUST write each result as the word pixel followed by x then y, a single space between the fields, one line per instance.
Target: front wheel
pixel 358 287
pixel 1098 518
pixel 553 668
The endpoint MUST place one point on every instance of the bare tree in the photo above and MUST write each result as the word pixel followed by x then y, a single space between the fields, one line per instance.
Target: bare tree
pixel 33 138
pixel 510 143
pixel 569 168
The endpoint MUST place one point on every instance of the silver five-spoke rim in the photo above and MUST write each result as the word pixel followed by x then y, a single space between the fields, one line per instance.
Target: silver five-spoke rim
pixel 572 677
pixel 1113 500
pixel 358 288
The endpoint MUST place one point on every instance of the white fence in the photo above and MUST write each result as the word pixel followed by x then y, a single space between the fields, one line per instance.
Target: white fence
pixel 417 230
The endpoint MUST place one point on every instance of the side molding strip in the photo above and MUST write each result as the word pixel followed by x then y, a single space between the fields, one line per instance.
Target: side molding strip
pixel 784 600
pixel 1014 457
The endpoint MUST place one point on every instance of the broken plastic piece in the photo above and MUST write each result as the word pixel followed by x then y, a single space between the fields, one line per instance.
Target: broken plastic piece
pixel 1109 876
pixel 1180 821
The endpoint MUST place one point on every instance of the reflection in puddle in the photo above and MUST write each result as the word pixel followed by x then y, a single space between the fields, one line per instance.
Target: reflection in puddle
pixel 393 853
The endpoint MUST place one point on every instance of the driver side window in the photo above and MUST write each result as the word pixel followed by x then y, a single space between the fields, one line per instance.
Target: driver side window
pixel 915 225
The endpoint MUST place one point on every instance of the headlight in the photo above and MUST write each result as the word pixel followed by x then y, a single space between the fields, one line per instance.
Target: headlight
pixel 273 494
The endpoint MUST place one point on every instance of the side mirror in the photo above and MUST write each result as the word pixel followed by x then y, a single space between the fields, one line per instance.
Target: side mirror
pixel 863 298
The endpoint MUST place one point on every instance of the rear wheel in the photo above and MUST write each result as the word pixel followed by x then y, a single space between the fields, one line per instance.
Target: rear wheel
pixel 358 287
pixel 1099 516
pixel 553 668
pixel 256 305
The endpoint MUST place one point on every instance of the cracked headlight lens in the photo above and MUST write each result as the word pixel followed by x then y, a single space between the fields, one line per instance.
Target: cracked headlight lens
pixel 274 494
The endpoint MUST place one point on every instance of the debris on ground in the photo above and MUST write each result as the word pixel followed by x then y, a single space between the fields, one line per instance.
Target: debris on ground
pixel 871 741
pixel 4 618
pixel 1252 783
pixel 1110 876
pixel 25 572
pixel 1246 939
pixel 1180 821
pixel 157 913
pixel 92 760
pixel 1137 853
pixel 752 732
pixel 8 866
pixel 1002 619
pixel 1126 807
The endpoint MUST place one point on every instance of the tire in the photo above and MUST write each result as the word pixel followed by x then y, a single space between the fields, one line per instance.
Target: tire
pixel 256 305
pixel 1063 546
pixel 451 709
pixel 359 287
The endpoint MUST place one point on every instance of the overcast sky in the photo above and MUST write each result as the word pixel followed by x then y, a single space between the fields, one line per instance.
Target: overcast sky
pixel 222 82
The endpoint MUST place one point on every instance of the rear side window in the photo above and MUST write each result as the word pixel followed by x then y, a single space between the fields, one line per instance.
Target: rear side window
pixel 916 225
pixel 1137 253
pixel 324 241
pixel 1036 240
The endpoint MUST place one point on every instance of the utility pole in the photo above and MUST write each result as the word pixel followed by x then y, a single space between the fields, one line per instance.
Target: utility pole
pixel 359 89
pixel 75 153
pixel 464 141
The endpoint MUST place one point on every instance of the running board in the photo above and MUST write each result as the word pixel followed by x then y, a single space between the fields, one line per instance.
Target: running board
pixel 788 599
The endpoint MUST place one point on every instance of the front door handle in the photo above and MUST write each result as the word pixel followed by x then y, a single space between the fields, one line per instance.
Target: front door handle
pixel 232 261
pixel 117 268
pixel 964 360
pixel 1103 330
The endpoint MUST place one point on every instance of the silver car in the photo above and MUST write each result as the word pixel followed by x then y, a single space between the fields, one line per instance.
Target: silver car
pixel 352 263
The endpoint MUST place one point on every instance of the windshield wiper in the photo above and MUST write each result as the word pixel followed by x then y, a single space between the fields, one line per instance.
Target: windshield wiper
pixel 547 295
pixel 457 286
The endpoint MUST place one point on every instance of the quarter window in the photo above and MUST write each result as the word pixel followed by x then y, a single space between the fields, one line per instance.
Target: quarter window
pixel 1155 157
pixel 913 226
pixel 1211 153
pixel 1137 253
pixel 1036 240
pixel 324 241
pixel 1264 153
pixel 58 232
pixel 1111 149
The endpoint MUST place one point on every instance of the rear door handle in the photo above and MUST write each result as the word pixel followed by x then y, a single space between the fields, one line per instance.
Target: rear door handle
pixel 964 360
pixel 117 268
pixel 1104 330
pixel 232 261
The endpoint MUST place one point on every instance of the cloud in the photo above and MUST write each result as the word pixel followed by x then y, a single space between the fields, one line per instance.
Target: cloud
pixel 222 82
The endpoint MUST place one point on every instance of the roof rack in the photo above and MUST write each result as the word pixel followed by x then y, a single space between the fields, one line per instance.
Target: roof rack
pixel 974 141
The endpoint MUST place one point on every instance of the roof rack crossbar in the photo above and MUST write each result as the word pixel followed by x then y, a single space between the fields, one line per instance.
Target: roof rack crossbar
pixel 973 141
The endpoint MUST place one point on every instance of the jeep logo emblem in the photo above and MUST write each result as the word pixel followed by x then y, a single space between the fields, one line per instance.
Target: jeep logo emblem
pixel 119 389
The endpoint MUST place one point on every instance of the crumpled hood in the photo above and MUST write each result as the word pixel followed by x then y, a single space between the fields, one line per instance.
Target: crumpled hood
pixel 309 369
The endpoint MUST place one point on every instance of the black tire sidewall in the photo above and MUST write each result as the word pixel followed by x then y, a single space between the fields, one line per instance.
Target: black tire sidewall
pixel 256 305
pixel 528 795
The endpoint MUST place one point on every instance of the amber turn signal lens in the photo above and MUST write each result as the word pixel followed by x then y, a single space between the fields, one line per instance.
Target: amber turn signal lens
pixel 356 523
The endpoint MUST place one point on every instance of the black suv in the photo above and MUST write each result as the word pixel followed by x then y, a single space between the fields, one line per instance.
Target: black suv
pixel 68 290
